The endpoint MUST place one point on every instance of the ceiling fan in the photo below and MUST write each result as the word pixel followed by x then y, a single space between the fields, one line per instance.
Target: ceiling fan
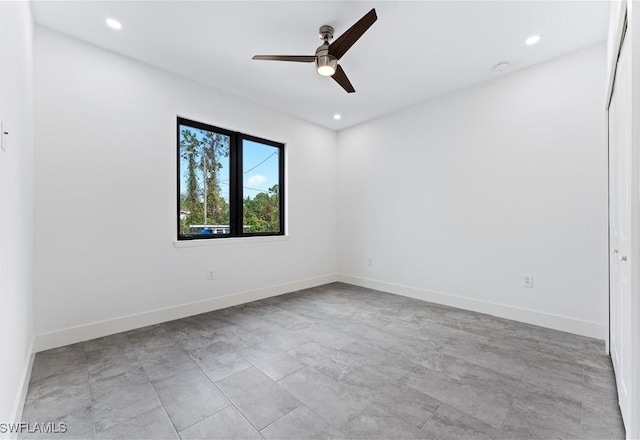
pixel 327 55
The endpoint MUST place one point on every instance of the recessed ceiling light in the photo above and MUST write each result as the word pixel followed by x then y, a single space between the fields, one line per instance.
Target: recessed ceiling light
pixel 337 117
pixel 501 67
pixel 113 24
pixel 532 40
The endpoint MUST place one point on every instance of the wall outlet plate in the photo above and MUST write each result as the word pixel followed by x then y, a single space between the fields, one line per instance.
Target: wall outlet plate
pixel 527 280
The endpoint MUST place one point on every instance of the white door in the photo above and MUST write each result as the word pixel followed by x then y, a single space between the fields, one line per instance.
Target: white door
pixel 620 224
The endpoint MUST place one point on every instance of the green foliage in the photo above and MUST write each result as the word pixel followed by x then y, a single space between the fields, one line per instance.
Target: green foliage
pixel 201 202
pixel 261 213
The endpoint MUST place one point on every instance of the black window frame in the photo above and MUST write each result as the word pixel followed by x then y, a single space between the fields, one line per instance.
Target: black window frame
pixel 236 201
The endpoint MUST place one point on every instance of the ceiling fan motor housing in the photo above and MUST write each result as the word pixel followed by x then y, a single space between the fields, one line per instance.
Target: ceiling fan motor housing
pixel 326 32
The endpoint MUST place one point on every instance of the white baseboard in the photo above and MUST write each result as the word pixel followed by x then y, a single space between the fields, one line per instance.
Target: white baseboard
pixel 72 335
pixel 556 322
pixel 46 341
pixel 21 395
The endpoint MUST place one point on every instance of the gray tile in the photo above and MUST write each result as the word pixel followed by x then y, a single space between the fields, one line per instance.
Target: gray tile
pixel 600 387
pixel 499 331
pixel 150 338
pixel 376 422
pixel 77 425
pixel 188 397
pixel 384 361
pixel 432 330
pixel 212 320
pixel 247 336
pixel 165 362
pixel 226 424
pixel 59 360
pixel 366 347
pixel 409 404
pixel 566 352
pixel 152 425
pixel 284 339
pixel 511 389
pixel 503 360
pixel 111 361
pixel 543 417
pixel 178 325
pixel 329 361
pixel 371 335
pixel 95 347
pixel 272 361
pixel 53 397
pixel 330 337
pixel 413 315
pixel 335 402
pixel 556 375
pixel 261 400
pixel 602 422
pixel 481 403
pixel 601 378
pixel 189 335
pixel 301 423
pixel 403 401
pixel 537 411
pixel 219 360
pixel 119 398
pixel 430 356
pixel 249 319
pixel 196 337
pixel 568 341
pixel 450 424
pixel 570 380
pixel 285 319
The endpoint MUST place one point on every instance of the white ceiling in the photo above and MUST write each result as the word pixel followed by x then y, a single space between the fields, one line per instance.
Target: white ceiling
pixel 416 50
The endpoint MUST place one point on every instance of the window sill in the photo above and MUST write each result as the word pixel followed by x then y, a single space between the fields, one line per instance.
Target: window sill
pixel 228 241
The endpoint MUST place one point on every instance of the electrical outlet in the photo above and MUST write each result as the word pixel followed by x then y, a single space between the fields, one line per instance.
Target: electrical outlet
pixel 211 275
pixel 370 261
pixel 527 280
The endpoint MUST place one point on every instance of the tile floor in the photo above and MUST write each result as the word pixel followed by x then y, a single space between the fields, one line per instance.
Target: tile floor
pixel 335 361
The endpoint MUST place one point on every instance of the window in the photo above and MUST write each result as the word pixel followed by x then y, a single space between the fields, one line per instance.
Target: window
pixel 229 184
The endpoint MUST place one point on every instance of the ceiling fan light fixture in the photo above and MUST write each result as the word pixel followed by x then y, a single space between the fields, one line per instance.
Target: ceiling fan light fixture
pixel 326 65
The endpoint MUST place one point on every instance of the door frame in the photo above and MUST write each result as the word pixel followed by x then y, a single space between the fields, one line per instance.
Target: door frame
pixel 629 13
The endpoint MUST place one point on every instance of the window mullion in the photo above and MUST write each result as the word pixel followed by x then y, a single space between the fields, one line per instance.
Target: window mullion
pixel 238 179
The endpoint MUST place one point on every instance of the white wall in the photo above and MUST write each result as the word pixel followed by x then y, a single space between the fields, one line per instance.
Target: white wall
pixel 106 197
pixel 455 199
pixel 16 206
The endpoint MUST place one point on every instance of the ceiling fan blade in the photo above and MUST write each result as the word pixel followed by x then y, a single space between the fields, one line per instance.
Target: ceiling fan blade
pixel 296 58
pixel 341 78
pixel 339 47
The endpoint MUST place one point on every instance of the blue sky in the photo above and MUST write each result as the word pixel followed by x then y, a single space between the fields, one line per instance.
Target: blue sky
pixel 260 167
